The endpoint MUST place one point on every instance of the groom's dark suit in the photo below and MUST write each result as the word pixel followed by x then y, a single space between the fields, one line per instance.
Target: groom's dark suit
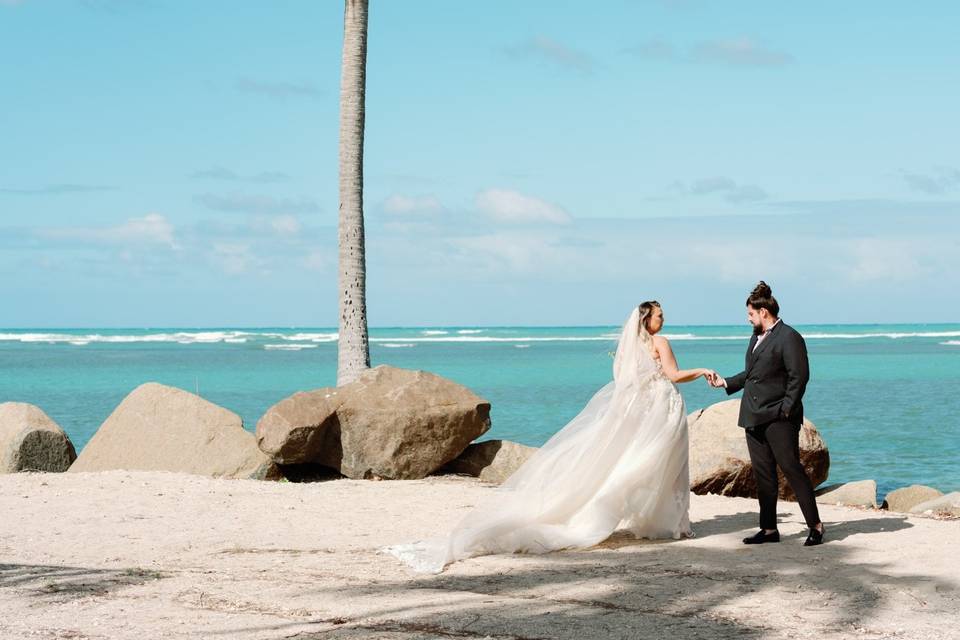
pixel 771 412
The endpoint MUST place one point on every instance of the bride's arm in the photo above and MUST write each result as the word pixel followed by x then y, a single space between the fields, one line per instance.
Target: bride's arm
pixel 669 363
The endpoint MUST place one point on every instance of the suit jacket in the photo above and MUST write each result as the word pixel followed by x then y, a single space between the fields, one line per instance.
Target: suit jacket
pixel 774 379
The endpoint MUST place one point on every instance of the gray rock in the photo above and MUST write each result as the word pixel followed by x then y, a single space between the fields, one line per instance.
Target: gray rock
pixel 390 423
pixel 902 500
pixel 720 462
pixel 948 504
pixel 31 441
pixel 491 461
pixel 862 493
pixel 160 428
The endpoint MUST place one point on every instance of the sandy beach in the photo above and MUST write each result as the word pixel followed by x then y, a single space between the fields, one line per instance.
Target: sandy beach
pixel 161 555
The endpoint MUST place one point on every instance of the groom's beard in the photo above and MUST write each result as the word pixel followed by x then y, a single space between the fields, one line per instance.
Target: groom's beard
pixel 757 329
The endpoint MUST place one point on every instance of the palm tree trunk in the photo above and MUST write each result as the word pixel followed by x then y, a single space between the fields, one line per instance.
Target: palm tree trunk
pixel 353 352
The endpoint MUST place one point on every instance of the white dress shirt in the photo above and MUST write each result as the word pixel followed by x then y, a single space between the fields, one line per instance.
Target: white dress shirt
pixel 764 335
pixel 760 339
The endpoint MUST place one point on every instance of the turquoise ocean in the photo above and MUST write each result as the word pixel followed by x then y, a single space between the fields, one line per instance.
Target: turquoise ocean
pixel 885 397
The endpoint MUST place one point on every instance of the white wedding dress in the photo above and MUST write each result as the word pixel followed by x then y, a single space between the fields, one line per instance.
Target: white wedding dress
pixel 621 463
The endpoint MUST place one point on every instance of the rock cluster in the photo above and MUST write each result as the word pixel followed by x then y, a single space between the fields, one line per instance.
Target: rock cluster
pixel 390 424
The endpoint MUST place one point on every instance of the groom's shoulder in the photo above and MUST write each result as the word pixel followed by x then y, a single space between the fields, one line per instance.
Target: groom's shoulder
pixel 790 332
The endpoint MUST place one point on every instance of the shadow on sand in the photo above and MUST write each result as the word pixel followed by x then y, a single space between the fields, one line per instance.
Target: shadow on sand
pixel 628 588
pixel 63 583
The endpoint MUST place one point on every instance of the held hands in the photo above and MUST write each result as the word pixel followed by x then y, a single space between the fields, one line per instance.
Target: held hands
pixel 714 379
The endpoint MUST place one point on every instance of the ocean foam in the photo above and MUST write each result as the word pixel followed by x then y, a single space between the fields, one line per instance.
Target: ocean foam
pixel 831 336
pixel 397 345
pixel 951 343
pixel 427 336
pixel 182 337
pixel 289 347
pixel 310 337
pixel 892 336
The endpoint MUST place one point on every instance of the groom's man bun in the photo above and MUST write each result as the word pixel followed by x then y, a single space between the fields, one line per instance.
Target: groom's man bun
pixel 762 298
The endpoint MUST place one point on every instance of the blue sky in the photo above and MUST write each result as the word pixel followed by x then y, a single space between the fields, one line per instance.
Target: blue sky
pixel 174 163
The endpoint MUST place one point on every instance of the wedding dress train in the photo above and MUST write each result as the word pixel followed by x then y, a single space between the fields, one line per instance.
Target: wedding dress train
pixel 620 463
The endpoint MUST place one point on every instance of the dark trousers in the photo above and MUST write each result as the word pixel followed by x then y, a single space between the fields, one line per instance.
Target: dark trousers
pixel 773 445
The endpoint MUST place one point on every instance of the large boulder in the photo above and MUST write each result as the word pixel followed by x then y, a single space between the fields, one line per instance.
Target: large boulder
pixel 948 504
pixel 160 428
pixel 390 423
pixel 491 461
pixel 31 441
pixel 862 493
pixel 303 428
pixel 720 462
pixel 902 500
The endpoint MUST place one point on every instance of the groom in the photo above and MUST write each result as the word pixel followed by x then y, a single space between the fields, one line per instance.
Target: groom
pixel 771 413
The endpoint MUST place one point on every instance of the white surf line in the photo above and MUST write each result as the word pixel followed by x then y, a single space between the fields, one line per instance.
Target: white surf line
pixel 289 347
pixel 240 337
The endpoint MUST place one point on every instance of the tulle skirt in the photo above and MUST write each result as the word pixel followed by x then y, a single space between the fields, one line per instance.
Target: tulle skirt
pixel 621 463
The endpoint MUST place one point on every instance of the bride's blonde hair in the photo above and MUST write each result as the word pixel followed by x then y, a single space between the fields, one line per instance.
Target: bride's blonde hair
pixel 646 309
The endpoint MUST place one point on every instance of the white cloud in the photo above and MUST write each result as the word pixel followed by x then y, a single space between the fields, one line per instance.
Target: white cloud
pixel 152 228
pixel 286 225
pixel 233 259
pixel 505 205
pixel 399 204
pixel 885 259
pixel 739 260
pixel 502 253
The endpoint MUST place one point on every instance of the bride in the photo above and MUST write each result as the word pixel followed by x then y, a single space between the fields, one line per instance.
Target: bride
pixel 620 463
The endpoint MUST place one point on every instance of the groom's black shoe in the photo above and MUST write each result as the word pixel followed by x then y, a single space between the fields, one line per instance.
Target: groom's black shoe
pixel 762 536
pixel 814 538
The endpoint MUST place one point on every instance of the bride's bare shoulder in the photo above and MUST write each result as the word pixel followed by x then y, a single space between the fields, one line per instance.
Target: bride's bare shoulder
pixel 660 341
pixel 661 347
